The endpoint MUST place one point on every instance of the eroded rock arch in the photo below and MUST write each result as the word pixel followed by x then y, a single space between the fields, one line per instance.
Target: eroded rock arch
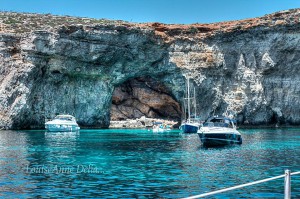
pixel 75 71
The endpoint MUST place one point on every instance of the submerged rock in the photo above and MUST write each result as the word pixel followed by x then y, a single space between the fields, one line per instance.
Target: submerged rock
pixel 52 64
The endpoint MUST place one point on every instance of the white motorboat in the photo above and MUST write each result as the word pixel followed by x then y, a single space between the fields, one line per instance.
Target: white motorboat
pixel 62 123
pixel 159 127
pixel 219 131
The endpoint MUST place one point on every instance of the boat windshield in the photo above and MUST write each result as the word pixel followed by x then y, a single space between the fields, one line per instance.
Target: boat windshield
pixel 63 117
pixel 215 124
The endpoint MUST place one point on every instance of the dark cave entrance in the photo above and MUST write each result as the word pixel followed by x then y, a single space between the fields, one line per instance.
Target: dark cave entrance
pixel 144 96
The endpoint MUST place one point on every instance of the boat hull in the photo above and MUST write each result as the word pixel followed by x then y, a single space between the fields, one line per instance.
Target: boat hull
pixel 218 137
pixel 61 127
pixel 189 128
pixel 160 130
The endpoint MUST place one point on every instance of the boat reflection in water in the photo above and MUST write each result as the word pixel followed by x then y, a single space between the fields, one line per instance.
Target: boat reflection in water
pixel 62 123
pixel 218 131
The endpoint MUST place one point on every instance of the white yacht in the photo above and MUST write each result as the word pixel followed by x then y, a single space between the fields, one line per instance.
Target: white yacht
pixel 62 123
pixel 219 131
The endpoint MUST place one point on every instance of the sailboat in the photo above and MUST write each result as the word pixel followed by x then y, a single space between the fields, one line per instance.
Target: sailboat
pixel 191 125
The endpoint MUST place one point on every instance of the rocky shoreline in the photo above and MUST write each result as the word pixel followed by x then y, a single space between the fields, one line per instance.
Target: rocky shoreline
pixel 149 123
pixel 142 122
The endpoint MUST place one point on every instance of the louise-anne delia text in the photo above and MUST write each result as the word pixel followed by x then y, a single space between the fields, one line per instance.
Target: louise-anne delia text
pixel 63 169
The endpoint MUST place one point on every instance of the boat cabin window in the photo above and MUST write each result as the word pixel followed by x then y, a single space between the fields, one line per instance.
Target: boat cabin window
pixel 208 124
pixel 220 124
pixel 217 120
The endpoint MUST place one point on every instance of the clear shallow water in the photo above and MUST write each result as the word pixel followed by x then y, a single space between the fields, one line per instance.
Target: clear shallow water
pixel 143 164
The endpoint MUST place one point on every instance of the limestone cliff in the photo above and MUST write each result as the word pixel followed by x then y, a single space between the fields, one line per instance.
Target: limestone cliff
pixel 52 64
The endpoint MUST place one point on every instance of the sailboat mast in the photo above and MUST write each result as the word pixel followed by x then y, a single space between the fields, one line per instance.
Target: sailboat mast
pixel 184 109
pixel 188 98
pixel 195 103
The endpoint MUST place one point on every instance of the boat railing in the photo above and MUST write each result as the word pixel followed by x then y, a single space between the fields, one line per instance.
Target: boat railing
pixel 287 186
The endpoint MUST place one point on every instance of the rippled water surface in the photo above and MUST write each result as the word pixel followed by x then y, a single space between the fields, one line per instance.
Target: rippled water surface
pixel 143 164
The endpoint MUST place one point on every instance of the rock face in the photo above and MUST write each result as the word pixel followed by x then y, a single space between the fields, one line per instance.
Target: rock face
pixel 144 97
pixel 98 70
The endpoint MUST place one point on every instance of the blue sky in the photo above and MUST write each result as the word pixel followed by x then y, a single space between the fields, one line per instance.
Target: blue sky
pixel 165 11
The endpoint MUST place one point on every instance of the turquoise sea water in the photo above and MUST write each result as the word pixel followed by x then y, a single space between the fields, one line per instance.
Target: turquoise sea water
pixel 143 164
